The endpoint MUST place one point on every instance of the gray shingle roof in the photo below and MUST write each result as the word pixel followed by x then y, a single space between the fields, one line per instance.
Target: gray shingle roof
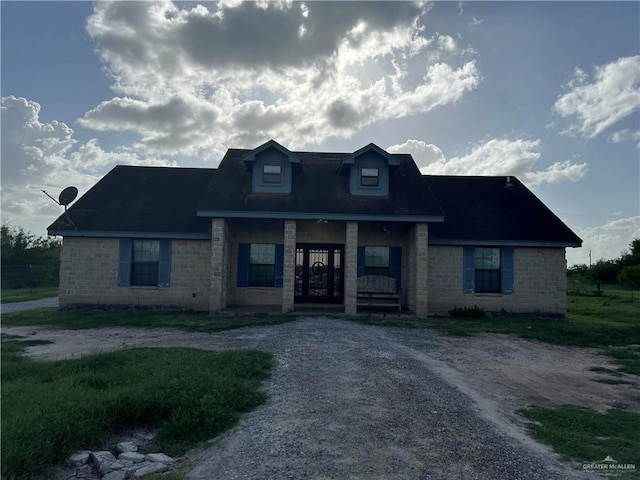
pixel 485 209
pixel 162 201
pixel 140 200
pixel 317 189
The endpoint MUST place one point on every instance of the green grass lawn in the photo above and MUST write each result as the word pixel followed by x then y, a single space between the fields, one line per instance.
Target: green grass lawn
pixel 190 321
pixel 52 408
pixel 26 294
pixel 587 436
pixel 612 320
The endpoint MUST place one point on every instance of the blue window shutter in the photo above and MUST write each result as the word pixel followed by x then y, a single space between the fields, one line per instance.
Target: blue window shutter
pixel 124 264
pixel 164 265
pixel 243 264
pixel 468 270
pixel 279 265
pixel 395 263
pixel 507 271
pixel 360 268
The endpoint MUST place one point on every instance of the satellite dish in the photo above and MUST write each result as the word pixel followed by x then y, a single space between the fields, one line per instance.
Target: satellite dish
pixel 67 196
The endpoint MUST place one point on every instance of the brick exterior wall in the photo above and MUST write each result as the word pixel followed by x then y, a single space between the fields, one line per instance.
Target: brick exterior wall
pixel 89 275
pixel 351 268
pixel 421 269
pixel 219 265
pixel 89 270
pixel 540 283
pixel 289 268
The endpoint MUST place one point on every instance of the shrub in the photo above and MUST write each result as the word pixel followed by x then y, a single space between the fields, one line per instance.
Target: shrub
pixel 468 312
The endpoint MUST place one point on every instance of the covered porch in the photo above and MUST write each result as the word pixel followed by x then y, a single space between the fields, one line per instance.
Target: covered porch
pixel 313 262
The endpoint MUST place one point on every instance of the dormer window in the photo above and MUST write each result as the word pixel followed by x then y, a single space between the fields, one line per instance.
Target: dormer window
pixel 369 170
pixel 272 174
pixel 369 177
pixel 272 168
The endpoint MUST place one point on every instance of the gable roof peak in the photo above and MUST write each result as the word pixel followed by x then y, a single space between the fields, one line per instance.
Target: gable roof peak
pixel 251 155
pixel 350 159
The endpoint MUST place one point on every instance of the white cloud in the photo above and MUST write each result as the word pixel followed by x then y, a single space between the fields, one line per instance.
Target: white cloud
pixel 30 148
pixel 613 95
pixel 605 241
pixel 626 135
pixel 475 22
pixel 493 157
pixel 197 80
pixel 40 156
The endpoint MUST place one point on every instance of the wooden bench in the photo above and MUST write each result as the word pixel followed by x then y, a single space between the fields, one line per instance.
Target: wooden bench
pixel 378 291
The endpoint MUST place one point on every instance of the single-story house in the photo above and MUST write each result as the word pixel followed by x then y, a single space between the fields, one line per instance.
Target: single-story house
pixel 272 227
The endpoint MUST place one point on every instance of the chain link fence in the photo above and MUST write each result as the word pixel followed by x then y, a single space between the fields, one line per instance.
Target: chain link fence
pixel 30 276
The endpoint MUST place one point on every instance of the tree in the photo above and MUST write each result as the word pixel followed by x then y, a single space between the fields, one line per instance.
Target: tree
pixel 24 248
pixel 630 276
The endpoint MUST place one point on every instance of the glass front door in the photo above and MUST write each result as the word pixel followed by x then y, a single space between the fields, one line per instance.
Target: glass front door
pixel 319 273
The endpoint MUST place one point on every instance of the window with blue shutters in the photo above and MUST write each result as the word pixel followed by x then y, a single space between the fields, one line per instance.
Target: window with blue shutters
pixel 144 262
pixel 260 265
pixel 487 270
pixel 376 261
pixel 380 261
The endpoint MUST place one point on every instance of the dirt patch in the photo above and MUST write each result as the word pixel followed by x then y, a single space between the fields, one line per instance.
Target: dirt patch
pixel 517 373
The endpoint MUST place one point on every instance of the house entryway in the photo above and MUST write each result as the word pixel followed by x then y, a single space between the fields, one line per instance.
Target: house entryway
pixel 319 273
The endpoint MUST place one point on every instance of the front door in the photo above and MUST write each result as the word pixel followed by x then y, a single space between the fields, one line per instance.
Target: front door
pixel 319 273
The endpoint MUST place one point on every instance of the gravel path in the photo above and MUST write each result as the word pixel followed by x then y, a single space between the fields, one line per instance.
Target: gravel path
pixel 19 306
pixel 353 402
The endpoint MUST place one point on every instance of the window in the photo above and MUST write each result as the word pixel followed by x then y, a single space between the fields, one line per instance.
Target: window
pixel 369 177
pixel 376 261
pixel 272 174
pixel 488 270
pixel 262 265
pixel 145 262
pixel 487 266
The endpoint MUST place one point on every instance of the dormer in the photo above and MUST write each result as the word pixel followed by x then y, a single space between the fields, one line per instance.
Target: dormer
pixel 272 167
pixel 369 170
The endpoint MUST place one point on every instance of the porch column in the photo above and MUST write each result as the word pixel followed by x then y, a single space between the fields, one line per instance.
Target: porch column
pixel 219 265
pixel 289 267
pixel 351 269
pixel 421 247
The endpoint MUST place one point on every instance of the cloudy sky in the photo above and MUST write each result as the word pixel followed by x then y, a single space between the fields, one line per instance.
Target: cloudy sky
pixel 546 91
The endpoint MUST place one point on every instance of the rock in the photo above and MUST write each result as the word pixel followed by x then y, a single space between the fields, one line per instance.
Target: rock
pixel 134 457
pixel 116 475
pixel 126 447
pixel 144 436
pixel 98 458
pixel 149 468
pixel 108 467
pixel 160 457
pixel 79 458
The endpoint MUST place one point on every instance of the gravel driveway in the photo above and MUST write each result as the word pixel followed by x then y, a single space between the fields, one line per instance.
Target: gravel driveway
pixel 20 306
pixel 350 401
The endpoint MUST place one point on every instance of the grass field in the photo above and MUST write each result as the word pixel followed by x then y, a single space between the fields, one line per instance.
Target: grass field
pixel 51 409
pixel 26 294
pixel 584 435
pixel 190 321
